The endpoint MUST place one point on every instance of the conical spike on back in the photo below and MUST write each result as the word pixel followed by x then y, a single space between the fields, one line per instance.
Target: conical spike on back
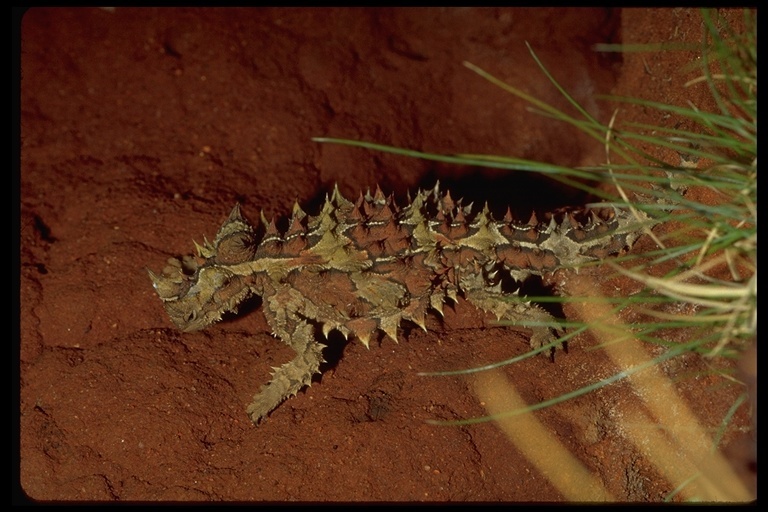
pixel 460 217
pixel 482 218
pixel 296 226
pixel 272 231
pixel 234 223
pixel 338 200
pixel 378 197
pixel 297 212
pixel 436 190
pixel 447 204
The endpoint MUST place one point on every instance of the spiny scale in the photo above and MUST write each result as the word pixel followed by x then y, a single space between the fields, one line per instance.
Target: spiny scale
pixel 365 266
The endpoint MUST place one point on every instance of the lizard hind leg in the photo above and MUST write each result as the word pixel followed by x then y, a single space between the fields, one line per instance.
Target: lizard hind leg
pixel 291 377
pixel 545 332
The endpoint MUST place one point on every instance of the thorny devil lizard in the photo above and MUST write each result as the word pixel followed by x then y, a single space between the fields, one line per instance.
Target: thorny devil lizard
pixel 364 266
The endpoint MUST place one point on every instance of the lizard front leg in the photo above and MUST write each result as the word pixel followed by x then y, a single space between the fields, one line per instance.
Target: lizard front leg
pixel 287 380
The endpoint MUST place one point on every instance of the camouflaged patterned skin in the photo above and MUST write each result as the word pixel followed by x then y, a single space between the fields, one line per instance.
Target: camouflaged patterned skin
pixel 365 266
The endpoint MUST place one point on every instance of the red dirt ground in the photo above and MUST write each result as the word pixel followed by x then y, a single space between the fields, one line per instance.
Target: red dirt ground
pixel 142 127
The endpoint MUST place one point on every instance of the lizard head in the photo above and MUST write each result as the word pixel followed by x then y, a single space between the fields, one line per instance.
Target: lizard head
pixel 197 290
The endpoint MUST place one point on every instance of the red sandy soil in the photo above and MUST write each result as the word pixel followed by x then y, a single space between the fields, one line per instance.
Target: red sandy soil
pixel 141 128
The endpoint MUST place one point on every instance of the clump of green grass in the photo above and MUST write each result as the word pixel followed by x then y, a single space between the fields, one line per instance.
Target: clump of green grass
pixel 704 263
pixel 707 236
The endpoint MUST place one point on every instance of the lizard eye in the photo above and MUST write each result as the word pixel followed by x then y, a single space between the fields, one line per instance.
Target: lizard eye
pixel 189 265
